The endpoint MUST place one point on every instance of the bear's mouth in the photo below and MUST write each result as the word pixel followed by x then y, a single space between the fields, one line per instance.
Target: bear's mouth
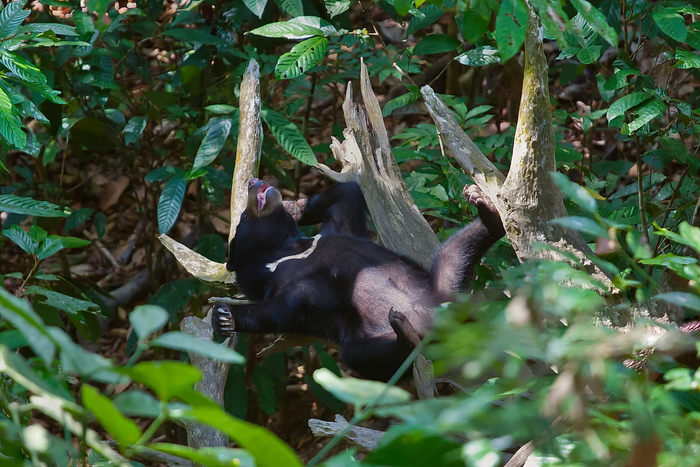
pixel 262 195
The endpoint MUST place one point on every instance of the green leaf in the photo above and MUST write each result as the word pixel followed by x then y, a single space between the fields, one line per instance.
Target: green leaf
pixel 100 224
pixel 185 342
pixel 435 44
pixel 137 403
pixel 21 238
pixel 402 6
pixel 337 7
pixel 209 456
pixel 161 173
pixel 267 449
pixel 57 28
pixel 581 224
pixel 404 99
pixel 596 20
pixel 293 7
pixel 359 392
pixel 589 55
pixel 21 67
pixel 133 129
pixel 61 301
pixel 575 192
pixel 170 202
pixel 687 59
pixel 684 299
pixel 619 79
pixel 289 137
pixel 193 35
pixel 11 17
pixel 54 244
pixel 511 23
pixel 19 313
pixel 479 56
pixel 123 430
pixel 475 20
pixel 10 124
pixel 622 105
pixel 218 130
pixel 289 29
pixel 29 207
pixel 646 113
pixel 221 109
pixel 147 319
pixel 303 56
pixel 690 234
pixel 430 14
pixel 77 218
pixel 671 23
pixel 166 378
pixel 257 7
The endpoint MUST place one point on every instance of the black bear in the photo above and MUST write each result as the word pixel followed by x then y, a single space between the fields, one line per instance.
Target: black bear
pixel 340 286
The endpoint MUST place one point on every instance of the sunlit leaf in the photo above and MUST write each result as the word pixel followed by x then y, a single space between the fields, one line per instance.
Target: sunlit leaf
pixel 303 56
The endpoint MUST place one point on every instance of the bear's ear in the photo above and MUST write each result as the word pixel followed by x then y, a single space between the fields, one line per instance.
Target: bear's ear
pixel 231 262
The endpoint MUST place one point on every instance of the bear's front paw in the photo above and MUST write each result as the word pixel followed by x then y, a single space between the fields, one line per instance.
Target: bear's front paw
pixel 222 320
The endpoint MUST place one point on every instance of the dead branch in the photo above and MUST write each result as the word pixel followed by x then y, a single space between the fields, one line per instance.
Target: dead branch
pixel 366 438
pixel 366 157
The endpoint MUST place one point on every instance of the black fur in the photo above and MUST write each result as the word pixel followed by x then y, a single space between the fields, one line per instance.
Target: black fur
pixel 375 303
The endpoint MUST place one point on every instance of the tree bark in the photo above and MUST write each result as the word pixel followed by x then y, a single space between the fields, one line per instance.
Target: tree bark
pixel 366 157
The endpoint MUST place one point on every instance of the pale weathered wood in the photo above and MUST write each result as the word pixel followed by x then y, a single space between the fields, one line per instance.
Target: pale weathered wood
pixel 215 374
pixel 366 157
pixel 249 143
pixel 366 438
pixel 458 145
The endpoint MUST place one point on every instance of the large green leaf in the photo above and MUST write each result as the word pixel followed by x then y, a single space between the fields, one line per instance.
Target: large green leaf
pixel 123 430
pixel 133 129
pixel 479 56
pixel 684 299
pixel 21 67
pixel 405 99
pixel 166 378
pixel 303 56
pixel 622 105
pixel 147 319
pixel 29 207
pixel 687 59
pixel 10 124
pixel 293 7
pixel 597 20
pixel 184 342
pixel 429 14
pixel 170 202
pixel 337 7
pixel 193 35
pixel 61 301
pixel 295 28
pixel 77 218
pixel 359 392
pixel 257 7
pixel 54 243
pixel 575 192
pixel 646 113
pixel 582 224
pixel 21 238
pixel 19 313
pixel 671 23
pixel 218 130
pixel 267 449
pixel 435 44
pixel 209 456
pixel 402 6
pixel 11 17
pixel 289 137
pixel 475 20
pixel 511 23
